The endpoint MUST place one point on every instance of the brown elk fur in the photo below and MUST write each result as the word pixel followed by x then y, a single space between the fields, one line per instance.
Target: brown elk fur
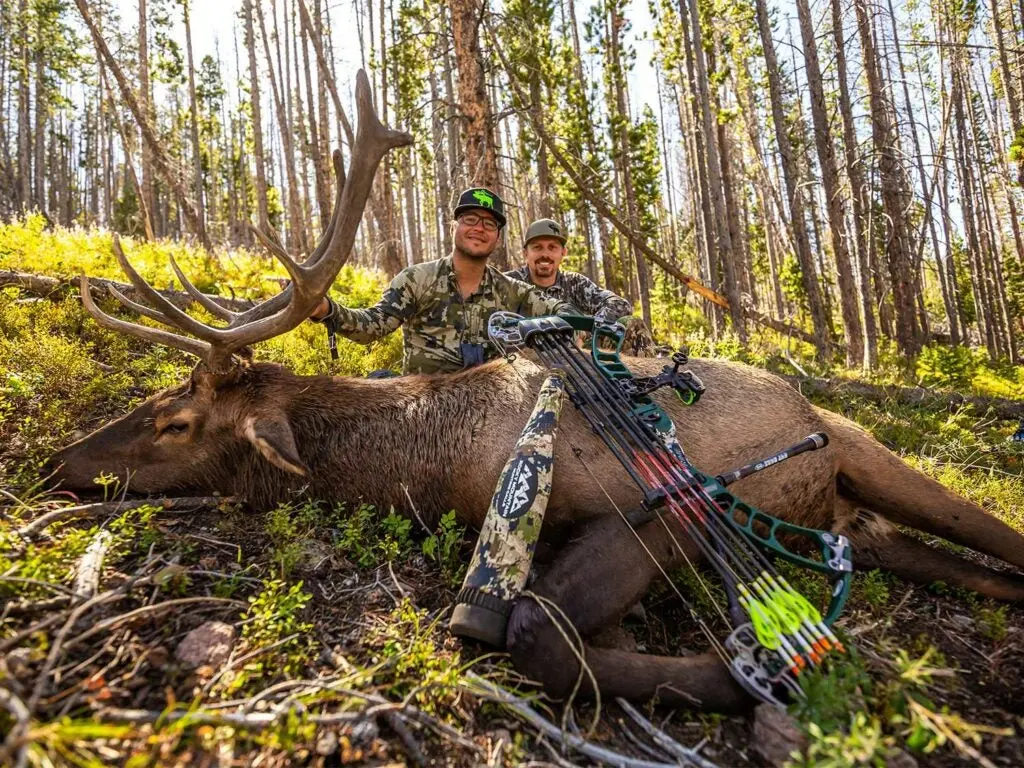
pixel 266 434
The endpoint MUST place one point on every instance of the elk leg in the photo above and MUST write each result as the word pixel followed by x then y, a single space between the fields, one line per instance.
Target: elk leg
pixel 877 543
pixel 880 481
pixel 594 582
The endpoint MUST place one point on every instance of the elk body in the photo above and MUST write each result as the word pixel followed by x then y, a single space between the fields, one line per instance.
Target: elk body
pixel 259 431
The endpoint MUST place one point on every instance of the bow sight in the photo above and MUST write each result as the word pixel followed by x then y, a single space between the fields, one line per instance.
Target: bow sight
pixel 776 632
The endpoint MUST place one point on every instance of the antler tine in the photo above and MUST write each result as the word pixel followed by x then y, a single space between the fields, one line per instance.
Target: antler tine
pixel 276 303
pixel 209 304
pixel 277 251
pixel 311 280
pixel 172 315
pixel 141 309
pixel 193 346
pixel 373 141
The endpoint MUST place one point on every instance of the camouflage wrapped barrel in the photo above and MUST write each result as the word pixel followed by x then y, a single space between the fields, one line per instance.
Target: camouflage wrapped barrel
pixel 508 537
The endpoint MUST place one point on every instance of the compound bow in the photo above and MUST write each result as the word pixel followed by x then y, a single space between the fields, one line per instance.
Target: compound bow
pixel 776 632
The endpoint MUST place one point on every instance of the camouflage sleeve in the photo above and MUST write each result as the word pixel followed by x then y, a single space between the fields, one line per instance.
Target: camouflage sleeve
pixel 594 300
pixel 531 301
pixel 396 306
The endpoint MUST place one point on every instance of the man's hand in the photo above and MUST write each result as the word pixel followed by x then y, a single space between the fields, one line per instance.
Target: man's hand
pixel 321 310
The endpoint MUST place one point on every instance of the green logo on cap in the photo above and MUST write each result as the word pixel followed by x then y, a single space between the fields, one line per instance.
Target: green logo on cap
pixel 483 198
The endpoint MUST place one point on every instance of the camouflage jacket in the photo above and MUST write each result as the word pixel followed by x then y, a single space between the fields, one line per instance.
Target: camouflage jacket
pixel 438 322
pixel 582 292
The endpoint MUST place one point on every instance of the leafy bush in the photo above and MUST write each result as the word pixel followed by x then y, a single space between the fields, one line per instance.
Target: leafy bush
pixel 950 367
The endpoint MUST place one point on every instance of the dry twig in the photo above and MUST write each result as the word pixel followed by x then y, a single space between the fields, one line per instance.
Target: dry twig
pixel 489 690
pixel 41 523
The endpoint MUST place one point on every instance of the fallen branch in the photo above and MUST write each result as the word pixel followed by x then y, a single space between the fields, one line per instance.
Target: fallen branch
pixel 14 749
pixel 1000 407
pixel 146 610
pixel 55 287
pixel 662 739
pixel 186 503
pixel 489 690
pixel 87 580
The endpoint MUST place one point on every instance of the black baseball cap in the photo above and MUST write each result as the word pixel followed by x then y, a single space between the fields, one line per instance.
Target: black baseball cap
pixel 483 199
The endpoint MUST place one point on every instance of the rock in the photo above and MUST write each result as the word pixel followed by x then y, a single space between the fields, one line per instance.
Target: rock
pixel 364 732
pixel 316 557
pixel 18 664
pixel 326 743
pixel 776 735
pixel 209 644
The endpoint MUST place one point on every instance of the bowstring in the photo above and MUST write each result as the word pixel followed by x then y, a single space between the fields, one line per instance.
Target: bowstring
pixel 716 644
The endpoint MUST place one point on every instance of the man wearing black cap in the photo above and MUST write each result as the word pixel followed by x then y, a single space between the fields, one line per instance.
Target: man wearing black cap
pixel 543 250
pixel 444 305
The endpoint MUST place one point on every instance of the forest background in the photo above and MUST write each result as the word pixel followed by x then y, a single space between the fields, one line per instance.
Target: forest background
pixel 846 174
pixel 847 171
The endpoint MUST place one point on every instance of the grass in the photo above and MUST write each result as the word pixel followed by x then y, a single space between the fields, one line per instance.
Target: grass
pixel 367 609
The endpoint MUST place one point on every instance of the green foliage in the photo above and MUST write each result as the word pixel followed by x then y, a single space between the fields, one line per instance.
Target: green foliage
pixel 411 661
pixel 873 588
pixel 367 539
pixel 943 366
pixel 444 548
pixel 288 526
pixel 275 621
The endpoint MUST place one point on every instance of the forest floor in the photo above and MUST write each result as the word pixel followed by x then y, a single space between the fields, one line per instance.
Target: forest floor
pixel 322 633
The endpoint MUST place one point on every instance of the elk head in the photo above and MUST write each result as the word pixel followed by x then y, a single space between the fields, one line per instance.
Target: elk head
pixel 186 437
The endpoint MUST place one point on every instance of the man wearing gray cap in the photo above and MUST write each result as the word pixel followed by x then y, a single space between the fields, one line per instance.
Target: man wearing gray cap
pixel 543 250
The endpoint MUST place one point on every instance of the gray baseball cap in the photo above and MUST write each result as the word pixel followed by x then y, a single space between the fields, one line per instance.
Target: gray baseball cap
pixel 544 228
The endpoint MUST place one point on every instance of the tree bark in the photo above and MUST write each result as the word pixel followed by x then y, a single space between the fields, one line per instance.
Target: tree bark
pixel 823 344
pixel 478 124
pixel 295 225
pixel 257 119
pixel 894 194
pixel 833 196
pixel 161 160
pixel 197 157
pixel 145 107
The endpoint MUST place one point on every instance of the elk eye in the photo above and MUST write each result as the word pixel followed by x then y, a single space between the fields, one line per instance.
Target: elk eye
pixel 175 428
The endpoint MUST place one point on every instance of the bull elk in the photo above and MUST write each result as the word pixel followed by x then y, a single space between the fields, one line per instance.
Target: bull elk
pixel 439 442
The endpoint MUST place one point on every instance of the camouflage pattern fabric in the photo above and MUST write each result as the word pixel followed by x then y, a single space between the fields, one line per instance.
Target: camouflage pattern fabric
pixel 437 323
pixel 508 537
pixel 583 293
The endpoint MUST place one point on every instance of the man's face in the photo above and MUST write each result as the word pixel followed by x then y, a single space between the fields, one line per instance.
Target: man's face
pixel 476 233
pixel 543 257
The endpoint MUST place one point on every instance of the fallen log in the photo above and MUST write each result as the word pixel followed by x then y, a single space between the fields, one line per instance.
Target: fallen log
pixel 55 287
pixel 999 407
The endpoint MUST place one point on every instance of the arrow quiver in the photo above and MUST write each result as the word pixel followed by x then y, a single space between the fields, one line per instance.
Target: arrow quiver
pixel 508 537
pixel 776 632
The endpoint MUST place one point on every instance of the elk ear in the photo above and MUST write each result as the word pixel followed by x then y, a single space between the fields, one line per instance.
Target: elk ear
pixel 272 437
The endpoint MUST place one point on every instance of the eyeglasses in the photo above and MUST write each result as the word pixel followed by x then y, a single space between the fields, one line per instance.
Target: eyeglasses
pixel 470 220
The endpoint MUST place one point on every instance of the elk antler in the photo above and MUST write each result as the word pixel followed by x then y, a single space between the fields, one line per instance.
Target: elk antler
pixel 310 280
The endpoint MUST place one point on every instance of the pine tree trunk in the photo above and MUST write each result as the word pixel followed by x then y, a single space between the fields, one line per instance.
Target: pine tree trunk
pixel 24 195
pixel 823 142
pixel 894 195
pixel 621 123
pixel 481 158
pixel 790 172
pixel 858 191
pixel 145 105
pixel 197 157
pixel 295 226
pixel 161 160
pixel 257 118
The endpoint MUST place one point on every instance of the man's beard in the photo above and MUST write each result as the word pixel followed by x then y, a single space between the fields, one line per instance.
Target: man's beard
pixel 475 256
